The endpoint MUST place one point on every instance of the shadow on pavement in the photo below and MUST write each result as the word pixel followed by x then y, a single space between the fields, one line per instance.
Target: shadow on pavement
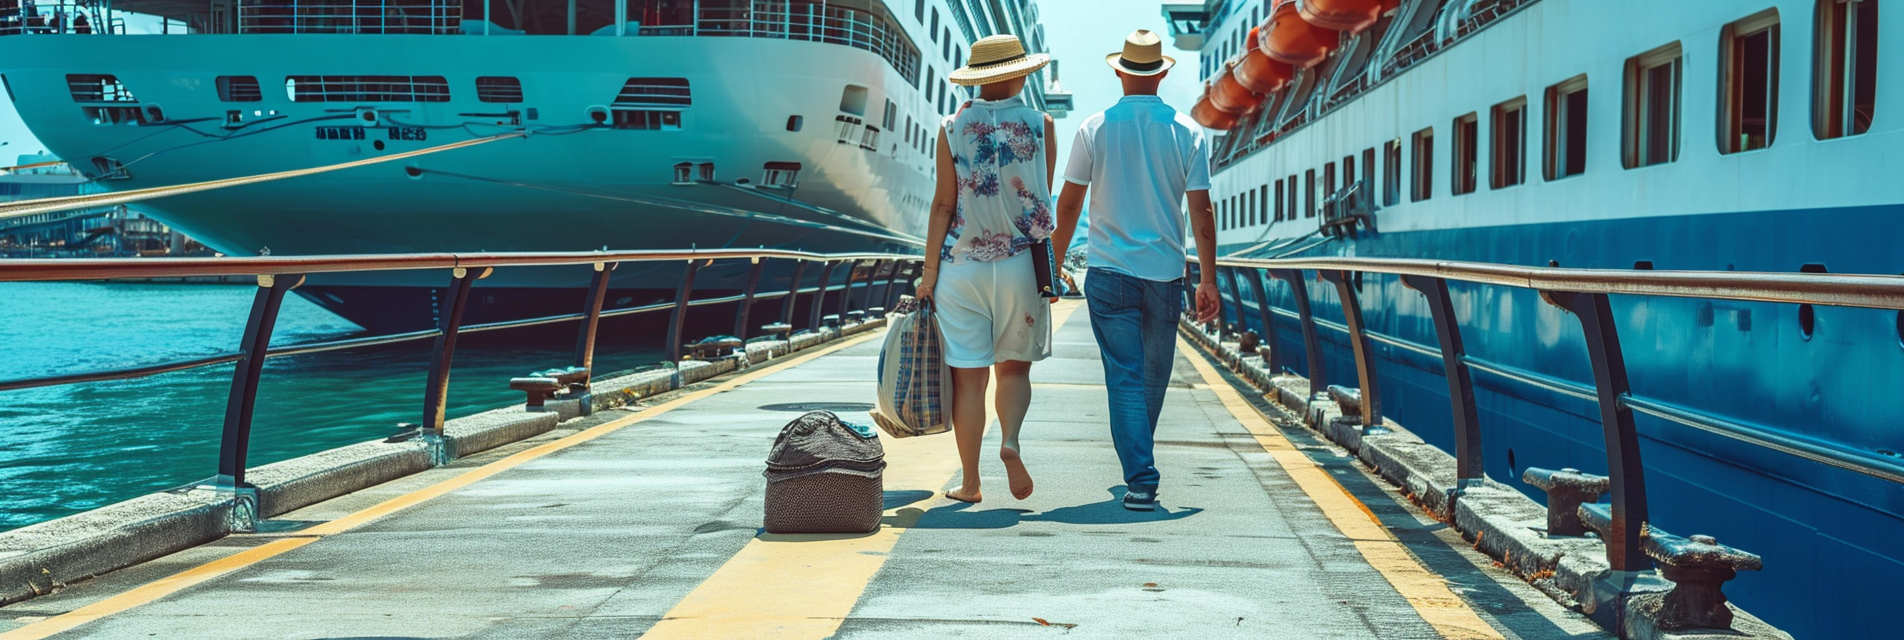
pixel 1111 511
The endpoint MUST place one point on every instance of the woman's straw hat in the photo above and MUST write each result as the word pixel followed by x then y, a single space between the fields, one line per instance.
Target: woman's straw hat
pixel 997 59
pixel 1143 55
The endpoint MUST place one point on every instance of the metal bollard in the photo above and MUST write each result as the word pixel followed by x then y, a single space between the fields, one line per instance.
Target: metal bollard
pixel 1350 400
pixel 1698 567
pixel 777 330
pixel 539 389
pixel 1247 342
pixel 1566 489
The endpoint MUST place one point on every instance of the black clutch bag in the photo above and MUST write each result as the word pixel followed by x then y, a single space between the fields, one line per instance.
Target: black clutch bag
pixel 1044 268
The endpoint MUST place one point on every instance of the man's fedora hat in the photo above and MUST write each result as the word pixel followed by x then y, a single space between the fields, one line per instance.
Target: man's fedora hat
pixel 997 59
pixel 1143 55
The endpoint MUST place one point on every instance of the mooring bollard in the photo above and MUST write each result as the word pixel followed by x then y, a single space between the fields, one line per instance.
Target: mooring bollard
pixel 539 388
pixel 1698 567
pixel 1247 342
pixel 831 321
pixel 1350 400
pixel 713 347
pixel 777 330
pixel 1567 490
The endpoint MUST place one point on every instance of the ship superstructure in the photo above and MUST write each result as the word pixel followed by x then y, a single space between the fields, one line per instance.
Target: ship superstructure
pixel 1751 135
pixel 650 124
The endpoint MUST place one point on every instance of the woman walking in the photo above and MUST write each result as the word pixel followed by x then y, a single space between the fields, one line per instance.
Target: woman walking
pixel 992 204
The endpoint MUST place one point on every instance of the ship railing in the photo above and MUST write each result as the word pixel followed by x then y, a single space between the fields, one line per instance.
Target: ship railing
pixel 829 24
pixel 428 17
pixel 1585 294
pixel 872 281
pixel 58 17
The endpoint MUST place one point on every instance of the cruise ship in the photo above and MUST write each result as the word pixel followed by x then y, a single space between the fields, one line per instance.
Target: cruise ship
pixel 648 124
pixel 1750 135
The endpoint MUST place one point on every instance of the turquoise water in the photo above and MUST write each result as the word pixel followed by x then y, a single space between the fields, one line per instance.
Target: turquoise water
pixel 68 449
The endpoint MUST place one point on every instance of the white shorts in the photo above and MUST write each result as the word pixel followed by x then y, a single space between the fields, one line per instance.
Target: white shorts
pixel 990 312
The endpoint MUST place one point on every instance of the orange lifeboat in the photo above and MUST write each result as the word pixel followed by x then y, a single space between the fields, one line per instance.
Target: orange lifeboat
pixel 1231 96
pixel 1286 37
pixel 1259 73
pixel 1353 16
pixel 1208 115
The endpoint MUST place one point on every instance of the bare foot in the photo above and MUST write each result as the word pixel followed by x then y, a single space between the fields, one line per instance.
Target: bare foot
pixel 1015 470
pixel 962 495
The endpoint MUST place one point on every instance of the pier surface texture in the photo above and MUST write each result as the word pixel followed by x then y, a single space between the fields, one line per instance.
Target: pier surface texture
pixel 647 522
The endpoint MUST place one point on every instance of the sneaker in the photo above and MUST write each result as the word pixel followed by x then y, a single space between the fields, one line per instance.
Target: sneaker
pixel 1140 501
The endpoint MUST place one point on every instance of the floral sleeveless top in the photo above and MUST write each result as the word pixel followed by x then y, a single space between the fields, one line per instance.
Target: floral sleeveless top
pixel 1004 202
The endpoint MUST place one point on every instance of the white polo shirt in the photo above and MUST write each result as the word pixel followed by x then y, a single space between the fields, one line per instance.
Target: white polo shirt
pixel 1139 157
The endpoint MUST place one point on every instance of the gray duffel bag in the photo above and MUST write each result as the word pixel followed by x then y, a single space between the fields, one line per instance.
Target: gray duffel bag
pixel 825 476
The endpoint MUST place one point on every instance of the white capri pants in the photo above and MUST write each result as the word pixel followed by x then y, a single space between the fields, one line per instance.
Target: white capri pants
pixel 990 312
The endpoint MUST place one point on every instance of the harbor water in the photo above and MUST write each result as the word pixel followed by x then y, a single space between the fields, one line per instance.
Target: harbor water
pixel 72 448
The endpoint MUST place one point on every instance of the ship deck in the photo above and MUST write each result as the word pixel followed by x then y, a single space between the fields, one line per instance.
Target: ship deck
pixel 646 522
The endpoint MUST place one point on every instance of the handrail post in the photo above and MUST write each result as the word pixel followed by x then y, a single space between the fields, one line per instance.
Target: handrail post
pixel 846 294
pixel 901 271
pixel 866 293
pixel 1312 345
pixel 1625 553
pixel 448 323
pixel 747 304
pixel 1268 317
pixel 591 322
pixel 793 294
pixel 235 443
pixel 1364 349
pixel 677 319
pixel 1236 300
pixel 819 296
pixel 1467 422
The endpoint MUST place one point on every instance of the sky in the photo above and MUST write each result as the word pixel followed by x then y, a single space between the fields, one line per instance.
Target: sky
pixel 1078 32
pixel 1081 32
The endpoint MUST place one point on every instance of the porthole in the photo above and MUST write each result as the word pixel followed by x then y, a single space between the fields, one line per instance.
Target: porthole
pixel 413 172
pixel 1807 321
pixel 1643 265
pixel 377 144
pixel 1900 328
pixel 794 123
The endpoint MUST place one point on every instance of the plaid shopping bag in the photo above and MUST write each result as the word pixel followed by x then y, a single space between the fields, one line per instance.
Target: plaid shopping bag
pixel 915 385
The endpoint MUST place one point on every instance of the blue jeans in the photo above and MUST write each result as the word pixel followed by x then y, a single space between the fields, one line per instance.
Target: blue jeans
pixel 1136 325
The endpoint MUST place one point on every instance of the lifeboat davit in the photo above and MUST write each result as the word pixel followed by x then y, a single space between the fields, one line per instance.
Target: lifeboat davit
pixel 1231 96
pixel 1259 73
pixel 1208 115
pixel 1286 37
pixel 1353 16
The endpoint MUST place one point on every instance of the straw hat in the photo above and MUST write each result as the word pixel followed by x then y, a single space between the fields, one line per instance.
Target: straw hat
pixel 1143 55
pixel 997 59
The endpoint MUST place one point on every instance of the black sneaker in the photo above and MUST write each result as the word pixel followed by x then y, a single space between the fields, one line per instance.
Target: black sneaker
pixel 1140 500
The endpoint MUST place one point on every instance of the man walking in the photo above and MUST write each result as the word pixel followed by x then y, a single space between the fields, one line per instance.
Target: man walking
pixel 1137 161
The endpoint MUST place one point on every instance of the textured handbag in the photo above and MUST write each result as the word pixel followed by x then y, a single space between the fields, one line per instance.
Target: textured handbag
pixel 1044 268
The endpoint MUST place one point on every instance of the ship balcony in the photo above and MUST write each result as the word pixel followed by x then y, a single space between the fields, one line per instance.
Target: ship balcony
pixel 1189 21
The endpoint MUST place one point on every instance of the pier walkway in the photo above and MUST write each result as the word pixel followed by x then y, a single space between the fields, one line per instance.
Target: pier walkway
pixel 646 522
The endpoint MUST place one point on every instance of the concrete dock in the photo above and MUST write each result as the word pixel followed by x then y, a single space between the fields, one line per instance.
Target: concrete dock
pixel 646 521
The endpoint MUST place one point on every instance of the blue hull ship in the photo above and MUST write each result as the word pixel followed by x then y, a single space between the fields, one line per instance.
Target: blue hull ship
pixel 1741 135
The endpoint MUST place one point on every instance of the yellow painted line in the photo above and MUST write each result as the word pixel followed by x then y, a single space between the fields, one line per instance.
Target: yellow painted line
pixel 803 586
pixel 166 586
pixel 154 590
pixel 1427 592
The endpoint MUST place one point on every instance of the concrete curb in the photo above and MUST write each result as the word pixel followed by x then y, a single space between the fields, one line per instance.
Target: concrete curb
pixel 1501 522
pixel 41 558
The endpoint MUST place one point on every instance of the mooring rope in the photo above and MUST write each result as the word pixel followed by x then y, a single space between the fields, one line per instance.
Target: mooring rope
pixel 68 203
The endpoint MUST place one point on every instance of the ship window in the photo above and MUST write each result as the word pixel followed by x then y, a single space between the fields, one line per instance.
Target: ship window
pixel 1508 164
pixel 1348 171
pixel 1368 174
pixel 239 89
pixel 892 115
pixel 500 89
pixel 1392 173
pixel 853 100
pixel 1278 216
pixel 1748 83
pixel 1262 205
pixel 707 171
pixel 795 123
pixel 919 10
pixel 1845 71
pixel 1423 163
pixel 647 120
pixel 1466 129
pixel 93 87
pixel 1566 149
pixel 1328 186
pixel 114 115
pixel 781 175
pixel 671 92
pixel 1652 108
pixel 684 173
pixel 1309 178
pixel 367 88
pixel 935 25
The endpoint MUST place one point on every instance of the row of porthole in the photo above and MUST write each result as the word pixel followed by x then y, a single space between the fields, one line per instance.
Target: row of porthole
pixel 1807 316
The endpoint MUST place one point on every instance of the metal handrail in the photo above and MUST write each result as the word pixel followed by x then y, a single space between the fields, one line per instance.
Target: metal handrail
pixel 1583 293
pixel 48 270
pixel 279 275
pixel 1830 289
